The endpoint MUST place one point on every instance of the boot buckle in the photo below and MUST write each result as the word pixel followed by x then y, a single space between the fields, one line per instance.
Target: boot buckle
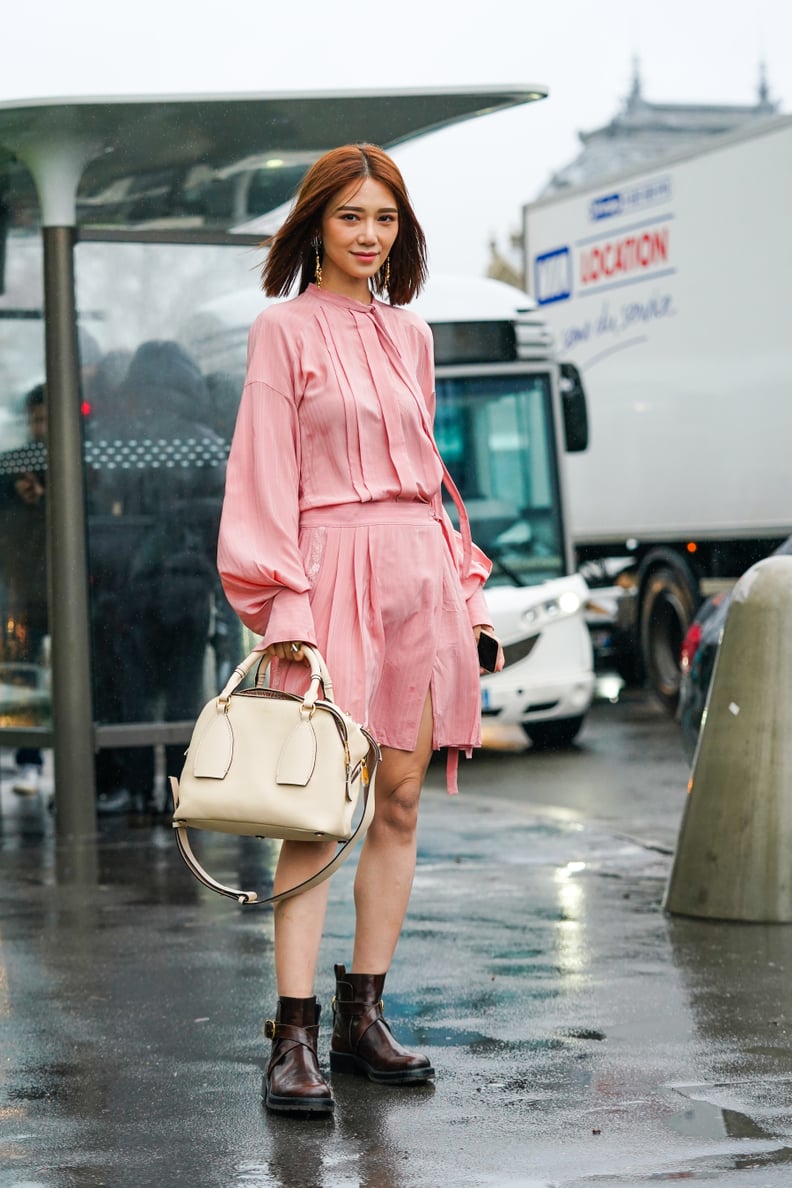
pixel 270 1029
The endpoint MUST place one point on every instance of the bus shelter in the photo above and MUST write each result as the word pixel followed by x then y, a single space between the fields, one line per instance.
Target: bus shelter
pixel 124 224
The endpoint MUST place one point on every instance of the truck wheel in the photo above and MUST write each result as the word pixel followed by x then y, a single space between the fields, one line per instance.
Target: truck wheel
pixel 553 736
pixel 667 610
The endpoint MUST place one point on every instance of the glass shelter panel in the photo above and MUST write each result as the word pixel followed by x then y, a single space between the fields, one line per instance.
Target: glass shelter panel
pixel 159 404
pixel 495 434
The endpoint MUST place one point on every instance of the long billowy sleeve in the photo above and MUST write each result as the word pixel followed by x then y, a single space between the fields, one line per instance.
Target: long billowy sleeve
pixel 258 554
pixel 473 587
pixel 474 570
pixel 473 573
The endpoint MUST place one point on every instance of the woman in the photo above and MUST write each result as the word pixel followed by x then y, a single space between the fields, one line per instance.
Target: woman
pixel 333 534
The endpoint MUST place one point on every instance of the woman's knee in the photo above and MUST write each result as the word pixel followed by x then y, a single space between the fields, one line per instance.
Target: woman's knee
pixel 397 811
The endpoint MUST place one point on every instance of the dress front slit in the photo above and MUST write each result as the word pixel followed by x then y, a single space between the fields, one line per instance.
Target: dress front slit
pixel 388 622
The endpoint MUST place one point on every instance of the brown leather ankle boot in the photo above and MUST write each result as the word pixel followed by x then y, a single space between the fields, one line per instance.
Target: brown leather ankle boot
pixel 362 1041
pixel 293 1082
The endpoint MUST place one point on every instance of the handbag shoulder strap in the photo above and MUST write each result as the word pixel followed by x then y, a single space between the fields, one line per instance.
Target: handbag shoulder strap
pixel 245 897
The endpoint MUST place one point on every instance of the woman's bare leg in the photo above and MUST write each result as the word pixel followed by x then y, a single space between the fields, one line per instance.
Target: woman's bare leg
pixel 299 921
pixel 387 860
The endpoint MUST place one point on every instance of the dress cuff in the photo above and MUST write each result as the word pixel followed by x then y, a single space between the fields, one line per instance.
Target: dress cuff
pixel 478 610
pixel 290 618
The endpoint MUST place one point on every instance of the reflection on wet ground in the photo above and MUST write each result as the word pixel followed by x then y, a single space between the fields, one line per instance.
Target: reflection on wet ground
pixel 581 1037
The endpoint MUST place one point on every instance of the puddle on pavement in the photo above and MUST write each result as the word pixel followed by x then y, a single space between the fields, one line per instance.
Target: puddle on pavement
pixel 703 1120
pixel 45 1082
pixel 707 1170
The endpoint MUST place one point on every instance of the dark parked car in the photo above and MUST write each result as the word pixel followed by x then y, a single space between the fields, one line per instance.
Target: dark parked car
pixel 698 655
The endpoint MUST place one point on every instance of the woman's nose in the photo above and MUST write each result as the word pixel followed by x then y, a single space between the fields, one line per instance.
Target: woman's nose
pixel 368 231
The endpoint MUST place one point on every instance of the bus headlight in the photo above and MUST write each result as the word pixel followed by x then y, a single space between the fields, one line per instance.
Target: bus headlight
pixel 568 603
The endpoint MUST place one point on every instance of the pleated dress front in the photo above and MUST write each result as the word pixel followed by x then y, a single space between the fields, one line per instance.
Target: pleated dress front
pixel 333 529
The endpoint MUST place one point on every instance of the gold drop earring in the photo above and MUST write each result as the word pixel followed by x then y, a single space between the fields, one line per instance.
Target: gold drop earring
pixel 386 277
pixel 318 267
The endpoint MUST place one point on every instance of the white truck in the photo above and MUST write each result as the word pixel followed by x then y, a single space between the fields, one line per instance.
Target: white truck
pixel 668 287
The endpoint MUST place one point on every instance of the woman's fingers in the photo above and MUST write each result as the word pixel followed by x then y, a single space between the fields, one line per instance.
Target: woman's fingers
pixel 291 650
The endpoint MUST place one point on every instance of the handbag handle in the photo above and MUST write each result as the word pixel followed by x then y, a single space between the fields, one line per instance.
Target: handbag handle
pixel 319 674
pixel 245 897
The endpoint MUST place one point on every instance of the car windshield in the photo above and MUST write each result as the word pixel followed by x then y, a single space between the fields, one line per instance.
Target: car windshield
pixel 495 435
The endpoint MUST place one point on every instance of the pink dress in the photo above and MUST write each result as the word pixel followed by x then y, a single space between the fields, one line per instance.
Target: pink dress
pixel 333 529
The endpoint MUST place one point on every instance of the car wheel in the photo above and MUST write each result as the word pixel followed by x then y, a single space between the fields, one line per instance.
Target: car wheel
pixel 667 609
pixel 553 736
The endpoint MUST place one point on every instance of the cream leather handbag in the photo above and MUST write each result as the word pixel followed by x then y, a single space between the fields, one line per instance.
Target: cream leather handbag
pixel 264 763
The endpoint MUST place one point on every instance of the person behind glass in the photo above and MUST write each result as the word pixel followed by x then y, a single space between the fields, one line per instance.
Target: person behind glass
pixel 333 534
pixel 26 551
pixel 153 528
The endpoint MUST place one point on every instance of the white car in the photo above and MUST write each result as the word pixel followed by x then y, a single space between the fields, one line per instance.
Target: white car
pixel 548 682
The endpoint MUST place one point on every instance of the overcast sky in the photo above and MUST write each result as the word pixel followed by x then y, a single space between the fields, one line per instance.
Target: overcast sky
pixel 469 182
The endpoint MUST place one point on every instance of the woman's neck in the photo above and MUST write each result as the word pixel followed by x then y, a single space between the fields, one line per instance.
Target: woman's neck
pixel 356 290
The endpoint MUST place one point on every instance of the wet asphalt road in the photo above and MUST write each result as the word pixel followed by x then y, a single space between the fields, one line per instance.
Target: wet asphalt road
pixel 580 1036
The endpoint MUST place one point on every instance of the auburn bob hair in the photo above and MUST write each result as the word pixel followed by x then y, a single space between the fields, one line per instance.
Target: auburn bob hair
pixel 293 248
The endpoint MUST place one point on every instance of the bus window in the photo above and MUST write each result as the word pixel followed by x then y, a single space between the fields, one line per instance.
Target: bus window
pixel 495 434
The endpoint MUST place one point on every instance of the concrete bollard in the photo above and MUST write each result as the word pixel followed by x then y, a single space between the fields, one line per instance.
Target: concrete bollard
pixel 733 858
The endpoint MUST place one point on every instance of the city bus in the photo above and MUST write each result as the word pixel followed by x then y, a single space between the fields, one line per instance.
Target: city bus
pixel 507 412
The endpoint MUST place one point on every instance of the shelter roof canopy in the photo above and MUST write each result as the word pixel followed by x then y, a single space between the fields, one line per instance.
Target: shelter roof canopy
pixel 217 160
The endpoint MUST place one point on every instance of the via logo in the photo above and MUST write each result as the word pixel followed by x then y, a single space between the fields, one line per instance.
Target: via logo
pixel 606 207
pixel 553 276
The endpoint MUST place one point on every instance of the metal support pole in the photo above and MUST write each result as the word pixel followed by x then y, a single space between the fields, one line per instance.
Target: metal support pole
pixel 75 800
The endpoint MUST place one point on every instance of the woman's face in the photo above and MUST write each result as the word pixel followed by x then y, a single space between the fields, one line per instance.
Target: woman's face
pixel 359 226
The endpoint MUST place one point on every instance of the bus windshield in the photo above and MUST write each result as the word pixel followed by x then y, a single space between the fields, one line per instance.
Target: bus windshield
pixel 495 435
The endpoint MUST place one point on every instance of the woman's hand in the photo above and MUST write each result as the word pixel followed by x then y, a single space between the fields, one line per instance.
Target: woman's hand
pixel 501 661
pixel 291 650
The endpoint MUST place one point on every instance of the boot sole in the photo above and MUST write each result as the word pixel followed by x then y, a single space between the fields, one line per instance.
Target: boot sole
pixel 345 1062
pixel 295 1105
